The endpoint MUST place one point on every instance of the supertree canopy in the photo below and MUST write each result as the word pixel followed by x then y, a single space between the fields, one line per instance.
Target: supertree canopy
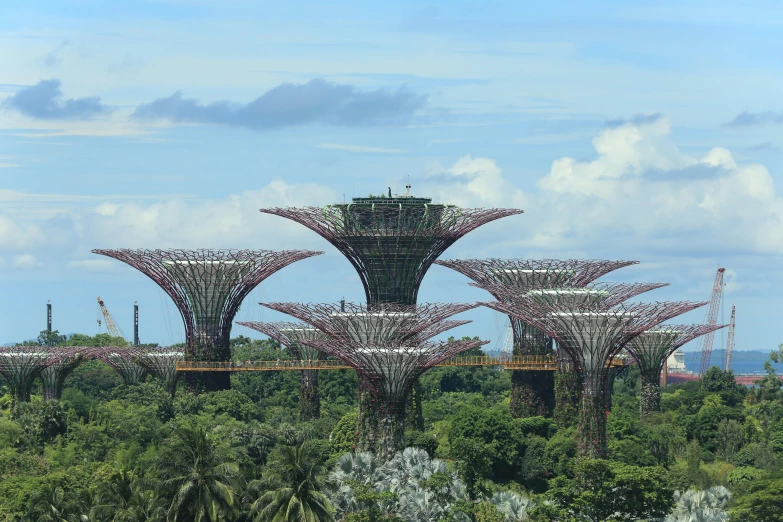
pixel 208 286
pixel 162 364
pixel 532 391
pixel 60 363
pixel 391 242
pixel 21 365
pixel 291 336
pixel 592 335
pixel 124 360
pixel 387 323
pixel 651 348
pixel 387 372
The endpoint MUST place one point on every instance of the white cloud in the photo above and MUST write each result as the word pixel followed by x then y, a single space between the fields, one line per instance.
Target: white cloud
pixel 17 235
pixel 360 148
pixel 472 182
pixel 8 165
pixel 25 261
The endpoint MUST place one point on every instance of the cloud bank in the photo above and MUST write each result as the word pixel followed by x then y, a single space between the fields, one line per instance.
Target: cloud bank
pixel 44 100
pixel 748 119
pixel 289 104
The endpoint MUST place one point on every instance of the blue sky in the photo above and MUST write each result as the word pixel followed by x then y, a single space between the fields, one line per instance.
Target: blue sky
pixel 650 131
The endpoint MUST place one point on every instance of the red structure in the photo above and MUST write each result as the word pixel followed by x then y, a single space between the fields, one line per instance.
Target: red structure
pixel 651 348
pixel 207 286
pixel 532 392
pixel 591 335
pixel 391 242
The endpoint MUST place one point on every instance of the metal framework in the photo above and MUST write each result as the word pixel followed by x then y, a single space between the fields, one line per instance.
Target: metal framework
pixel 711 318
pixel 652 348
pixel 21 365
pixel 591 335
pixel 391 242
pixel 61 362
pixel 387 323
pixel 124 360
pixel 291 336
pixel 387 372
pixel 532 393
pixel 207 287
pixel 162 364
pixel 730 339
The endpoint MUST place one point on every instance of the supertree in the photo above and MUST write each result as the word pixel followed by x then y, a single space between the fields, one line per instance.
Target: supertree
pixel 592 335
pixel 291 336
pixel 614 371
pixel 21 365
pixel 532 391
pixel 124 360
pixel 208 286
pixel 387 372
pixel 59 365
pixel 162 364
pixel 652 347
pixel 387 322
pixel 391 242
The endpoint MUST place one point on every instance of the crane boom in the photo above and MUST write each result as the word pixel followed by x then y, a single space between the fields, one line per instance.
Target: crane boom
pixel 730 340
pixel 712 316
pixel 111 324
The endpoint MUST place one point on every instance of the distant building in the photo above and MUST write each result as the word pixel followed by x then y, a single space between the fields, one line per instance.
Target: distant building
pixel 676 362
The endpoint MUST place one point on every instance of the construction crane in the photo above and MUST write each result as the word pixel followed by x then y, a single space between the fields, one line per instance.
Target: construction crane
pixel 111 324
pixel 730 340
pixel 712 316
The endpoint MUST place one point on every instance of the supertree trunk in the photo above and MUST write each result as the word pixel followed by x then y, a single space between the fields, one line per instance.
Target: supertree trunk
pixel 52 380
pixel 309 397
pixel 391 431
pixel 651 393
pixel 201 382
pixel 567 391
pixel 413 414
pixel 532 392
pixel 368 417
pixel 591 428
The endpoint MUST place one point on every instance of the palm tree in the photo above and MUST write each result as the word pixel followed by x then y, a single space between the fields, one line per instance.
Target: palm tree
pixel 52 504
pixel 200 477
pixel 297 497
pixel 125 497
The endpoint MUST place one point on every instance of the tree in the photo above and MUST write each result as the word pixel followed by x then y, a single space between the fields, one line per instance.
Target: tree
pixel 609 491
pixel 52 503
pixel 297 496
pixel 198 474
pixel 763 502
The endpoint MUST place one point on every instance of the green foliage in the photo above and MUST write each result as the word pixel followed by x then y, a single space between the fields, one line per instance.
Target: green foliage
pixel 762 502
pixel 344 436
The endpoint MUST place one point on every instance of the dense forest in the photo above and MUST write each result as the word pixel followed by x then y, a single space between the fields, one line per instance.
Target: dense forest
pixel 110 452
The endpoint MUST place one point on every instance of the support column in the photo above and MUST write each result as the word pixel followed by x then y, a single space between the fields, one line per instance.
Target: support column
pixel 309 397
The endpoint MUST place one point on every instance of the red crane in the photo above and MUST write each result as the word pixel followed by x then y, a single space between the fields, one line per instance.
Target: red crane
pixel 730 340
pixel 712 316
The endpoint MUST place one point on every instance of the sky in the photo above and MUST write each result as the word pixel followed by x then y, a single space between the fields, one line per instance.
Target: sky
pixel 647 131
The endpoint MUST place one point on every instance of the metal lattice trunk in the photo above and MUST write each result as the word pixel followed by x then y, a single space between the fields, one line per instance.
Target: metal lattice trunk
pixel 207 287
pixel 387 372
pixel 592 335
pixel 291 336
pixel 651 348
pixel 391 242
pixel 532 392
pixel 162 364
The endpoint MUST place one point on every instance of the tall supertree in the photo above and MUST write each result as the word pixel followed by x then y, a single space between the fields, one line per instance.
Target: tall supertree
pixel 532 391
pixel 162 364
pixel 391 242
pixel 387 372
pixel 651 348
pixel 208 286
pixel 21 365
pixel 353 329
pixel 291 336
pixel 124 360
pixel 592 335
